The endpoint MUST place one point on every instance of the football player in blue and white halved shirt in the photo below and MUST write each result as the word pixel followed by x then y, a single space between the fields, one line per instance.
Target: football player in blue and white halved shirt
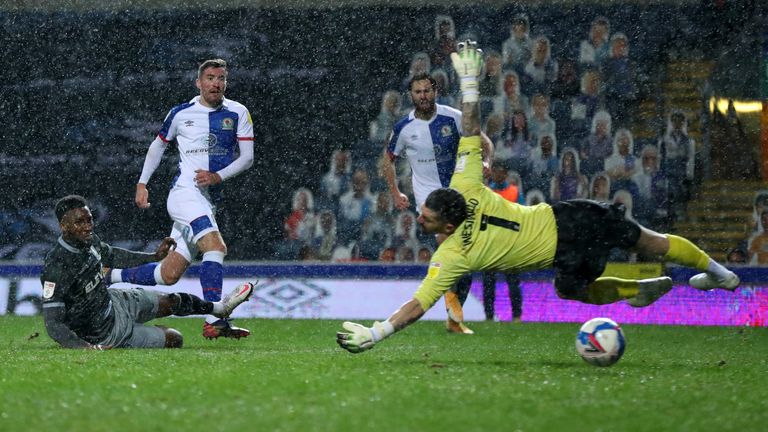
pixel 215 141
pixel 429 138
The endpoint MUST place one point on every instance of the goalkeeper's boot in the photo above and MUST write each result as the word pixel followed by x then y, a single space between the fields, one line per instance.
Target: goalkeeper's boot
pixel 455 322
pixel 650 291
pixel 223 328
pixel 708 281
pixel 240 294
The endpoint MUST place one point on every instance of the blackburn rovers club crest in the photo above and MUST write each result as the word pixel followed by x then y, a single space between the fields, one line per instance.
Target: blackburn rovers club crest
pixel 446 131
pixel 227 124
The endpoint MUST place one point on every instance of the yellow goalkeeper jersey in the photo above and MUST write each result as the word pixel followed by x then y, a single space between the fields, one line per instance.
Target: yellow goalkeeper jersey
pixel 497 235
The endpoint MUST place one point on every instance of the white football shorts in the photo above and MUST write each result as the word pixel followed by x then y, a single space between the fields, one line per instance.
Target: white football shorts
pixel 193 217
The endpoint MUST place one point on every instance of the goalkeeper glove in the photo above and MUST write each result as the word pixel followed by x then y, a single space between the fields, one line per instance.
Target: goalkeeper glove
pixel 468 63
pixel 360 338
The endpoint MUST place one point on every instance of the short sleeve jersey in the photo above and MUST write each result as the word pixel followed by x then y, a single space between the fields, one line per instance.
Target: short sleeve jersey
pixel 497 235
pixel 430 147
pixel 206 137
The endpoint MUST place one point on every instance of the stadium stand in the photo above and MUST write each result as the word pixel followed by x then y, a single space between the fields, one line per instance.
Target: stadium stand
pixel 87 90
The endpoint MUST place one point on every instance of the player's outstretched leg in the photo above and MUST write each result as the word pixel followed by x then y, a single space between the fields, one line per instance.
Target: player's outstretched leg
pixel 223 327
pixel 183 304
pixel 146 275
pixel 683 252
pixel 638 293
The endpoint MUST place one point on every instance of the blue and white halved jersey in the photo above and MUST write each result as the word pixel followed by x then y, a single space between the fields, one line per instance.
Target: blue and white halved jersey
pixel 430 146
pixel 207 138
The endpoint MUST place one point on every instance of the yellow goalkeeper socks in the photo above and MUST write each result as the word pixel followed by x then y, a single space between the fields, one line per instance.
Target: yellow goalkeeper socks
pixel 607 290
pixel 682 251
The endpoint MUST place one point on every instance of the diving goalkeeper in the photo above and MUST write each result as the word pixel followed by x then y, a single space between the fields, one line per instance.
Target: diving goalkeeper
pixel 487 233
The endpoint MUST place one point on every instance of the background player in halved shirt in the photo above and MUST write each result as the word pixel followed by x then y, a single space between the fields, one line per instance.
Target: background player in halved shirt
pixel 209 130
pixel 429 138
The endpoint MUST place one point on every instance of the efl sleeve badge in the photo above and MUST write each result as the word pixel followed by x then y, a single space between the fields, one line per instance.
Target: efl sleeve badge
pixel 48 288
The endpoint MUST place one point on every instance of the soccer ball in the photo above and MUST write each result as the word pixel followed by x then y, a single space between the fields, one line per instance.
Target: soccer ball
pixel 600 342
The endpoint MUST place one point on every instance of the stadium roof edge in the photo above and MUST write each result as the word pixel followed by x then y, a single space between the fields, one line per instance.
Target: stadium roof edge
pixel 117 5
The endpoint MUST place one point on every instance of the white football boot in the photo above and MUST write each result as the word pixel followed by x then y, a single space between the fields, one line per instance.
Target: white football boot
pixel 240 294
pixel 708 281
pixel 650 291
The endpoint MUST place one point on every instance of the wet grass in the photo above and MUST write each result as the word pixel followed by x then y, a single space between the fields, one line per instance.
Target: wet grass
pixel 291 376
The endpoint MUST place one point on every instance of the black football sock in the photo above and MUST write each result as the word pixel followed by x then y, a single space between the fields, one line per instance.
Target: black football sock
pixel 183 304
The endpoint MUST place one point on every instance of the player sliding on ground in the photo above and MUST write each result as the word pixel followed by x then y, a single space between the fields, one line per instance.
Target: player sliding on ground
pixel 487 233
pixel 81 312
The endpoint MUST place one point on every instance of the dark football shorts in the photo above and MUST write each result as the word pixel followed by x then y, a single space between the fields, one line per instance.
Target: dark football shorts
pixel 586 232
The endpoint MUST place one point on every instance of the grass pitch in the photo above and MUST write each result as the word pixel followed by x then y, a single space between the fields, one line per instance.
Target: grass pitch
pixel 291 376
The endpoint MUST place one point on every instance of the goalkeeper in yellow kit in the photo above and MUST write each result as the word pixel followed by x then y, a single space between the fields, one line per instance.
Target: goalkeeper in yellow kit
pixel 487 233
